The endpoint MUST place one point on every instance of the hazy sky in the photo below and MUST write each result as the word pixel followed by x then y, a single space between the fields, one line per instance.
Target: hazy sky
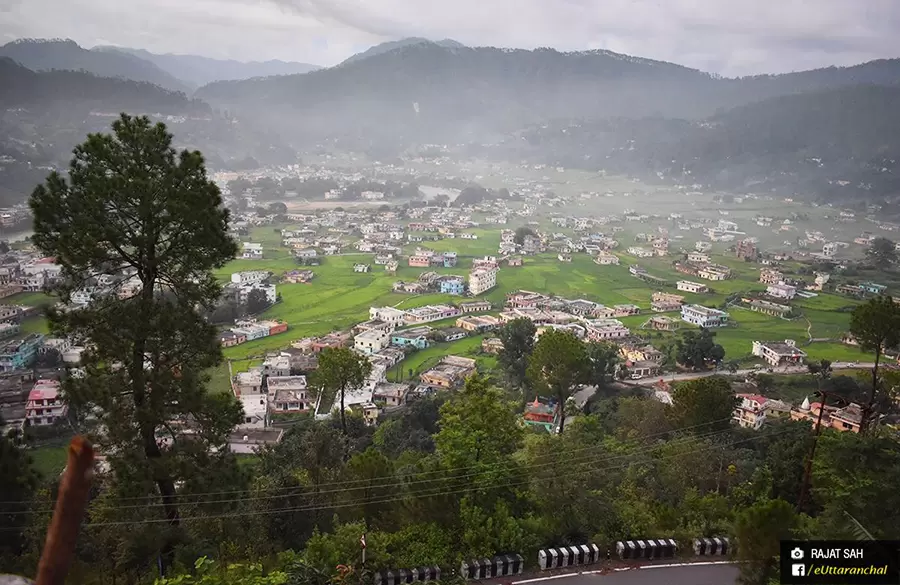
pixel 732 37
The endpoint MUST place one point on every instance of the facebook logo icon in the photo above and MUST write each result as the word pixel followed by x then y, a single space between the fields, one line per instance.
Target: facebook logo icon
pixel 798 570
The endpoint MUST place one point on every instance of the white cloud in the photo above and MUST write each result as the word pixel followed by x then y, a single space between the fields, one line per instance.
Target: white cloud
pixel 733 37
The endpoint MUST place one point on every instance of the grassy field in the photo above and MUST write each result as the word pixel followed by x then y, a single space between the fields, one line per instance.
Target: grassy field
pixel 49 461
pixel 420 361
pixel 30 299
pixel 36 324
pixel 338 297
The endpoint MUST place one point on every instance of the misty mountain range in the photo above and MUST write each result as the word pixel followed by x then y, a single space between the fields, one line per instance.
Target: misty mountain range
pixel 198 71
pixel 394 45
pixel 183 73
pixel 828 133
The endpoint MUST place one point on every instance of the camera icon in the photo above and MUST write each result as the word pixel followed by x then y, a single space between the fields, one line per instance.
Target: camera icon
pixel 797 553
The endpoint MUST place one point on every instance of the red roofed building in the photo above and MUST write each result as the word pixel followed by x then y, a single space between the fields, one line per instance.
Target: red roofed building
pixel 847 419
pixel 45 405
pixel 539 414
pixel 750 413
pixel 662 391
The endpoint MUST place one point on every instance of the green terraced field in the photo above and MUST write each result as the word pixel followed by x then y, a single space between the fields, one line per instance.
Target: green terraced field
pixel 337 298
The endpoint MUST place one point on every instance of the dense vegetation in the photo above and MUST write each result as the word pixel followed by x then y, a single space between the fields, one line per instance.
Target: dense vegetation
pixel 456 476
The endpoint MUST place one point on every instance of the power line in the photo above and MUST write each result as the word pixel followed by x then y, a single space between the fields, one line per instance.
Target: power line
pixel 387 477
pixel 439 492
pixel 391 480
pixel 413 496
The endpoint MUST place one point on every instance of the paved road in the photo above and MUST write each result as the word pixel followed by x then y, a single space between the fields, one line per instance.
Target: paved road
pixel 685 575
pixel 791 370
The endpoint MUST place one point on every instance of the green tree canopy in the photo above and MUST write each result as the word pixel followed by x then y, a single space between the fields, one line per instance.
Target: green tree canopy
pixel 131 205
pixel 520 234
pixel 341 369
pixel 558 365
pixel 479 432
pixel 603 357
pixel 518 343
pixel 758 530
pixel 18 480
pixel 855 474
pixel 698 349
pixel 882 253
pixel 257 301
pixel 876 327
pixel 704 404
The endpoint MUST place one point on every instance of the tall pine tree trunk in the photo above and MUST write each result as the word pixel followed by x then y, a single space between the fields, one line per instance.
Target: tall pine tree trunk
pixel 343 414
pixel 164 481
pixel 869 409
pixel 561 405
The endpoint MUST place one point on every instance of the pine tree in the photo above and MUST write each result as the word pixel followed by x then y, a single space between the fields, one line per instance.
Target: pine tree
pixel 136 211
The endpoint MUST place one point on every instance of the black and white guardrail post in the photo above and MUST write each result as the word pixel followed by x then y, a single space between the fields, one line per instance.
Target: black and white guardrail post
pixel 400 576
pixel 716 546
pixel 661 548
pixel 499 566
pixel 567 556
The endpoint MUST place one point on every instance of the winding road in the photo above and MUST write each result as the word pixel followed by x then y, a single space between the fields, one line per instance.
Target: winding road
pixel 711 573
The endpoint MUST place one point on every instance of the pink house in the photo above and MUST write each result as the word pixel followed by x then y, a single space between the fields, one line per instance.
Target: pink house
pixel 45 405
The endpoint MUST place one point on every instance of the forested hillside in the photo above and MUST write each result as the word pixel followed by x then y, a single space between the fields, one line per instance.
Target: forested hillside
pixel 196 70
pixel 425 92
pixel 53 54
pixel 837 144
pixel 393 45
pixel 44 114
pixel 20 86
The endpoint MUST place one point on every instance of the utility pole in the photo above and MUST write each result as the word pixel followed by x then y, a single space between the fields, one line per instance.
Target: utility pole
pixel 719 476
pixel 807 472
pixel 362 568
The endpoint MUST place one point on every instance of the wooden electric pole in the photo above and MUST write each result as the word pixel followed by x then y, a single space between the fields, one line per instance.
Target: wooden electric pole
pixel 807 472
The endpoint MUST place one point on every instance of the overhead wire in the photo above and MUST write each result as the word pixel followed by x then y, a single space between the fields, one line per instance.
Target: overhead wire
pixel 683 442
pixel 404 497
pixel 392 477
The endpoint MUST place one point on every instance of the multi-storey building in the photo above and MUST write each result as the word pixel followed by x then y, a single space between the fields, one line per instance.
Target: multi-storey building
pixel 704 316
pixel 778 353
pixel 482 280
pixel 45 405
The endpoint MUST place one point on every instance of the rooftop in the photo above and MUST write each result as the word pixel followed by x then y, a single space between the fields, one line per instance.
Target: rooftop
pixel 782 348
pixel 708 311
pixel 413 332
pixel 754 397
pixel 44 390
pixel 286 383
pixel 454 360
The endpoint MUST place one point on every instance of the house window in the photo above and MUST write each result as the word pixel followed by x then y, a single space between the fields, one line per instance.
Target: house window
pixel 248 420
